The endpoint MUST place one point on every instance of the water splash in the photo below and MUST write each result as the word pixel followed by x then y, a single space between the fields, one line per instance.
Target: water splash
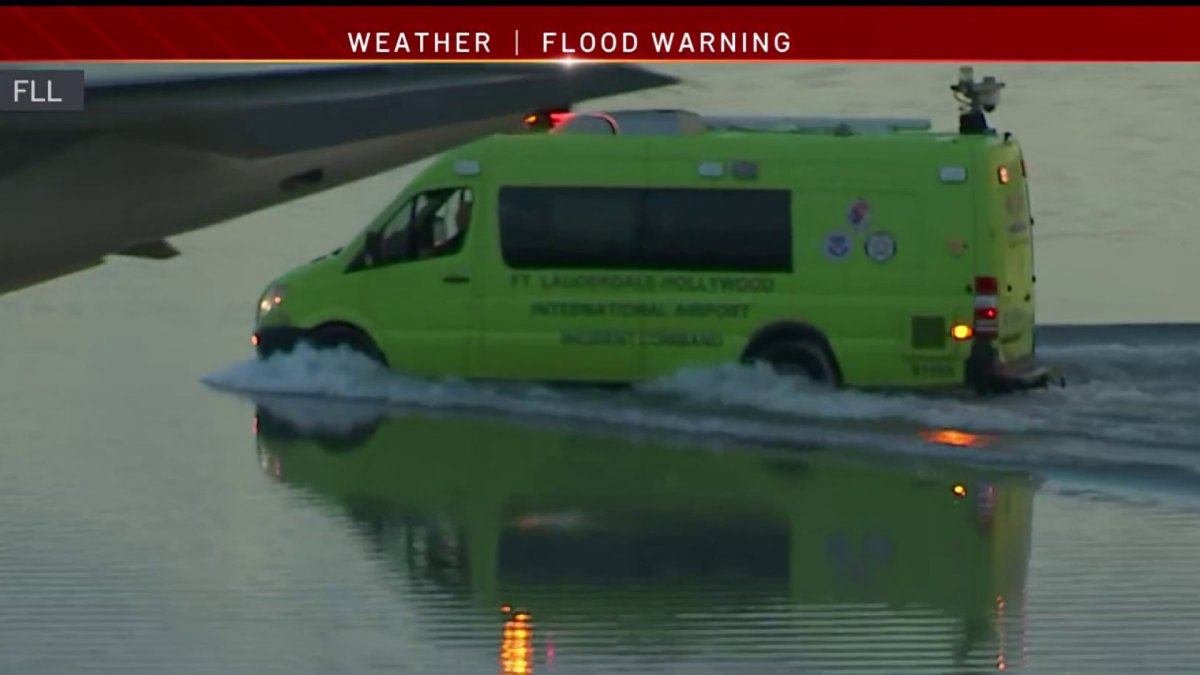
pixel 753 404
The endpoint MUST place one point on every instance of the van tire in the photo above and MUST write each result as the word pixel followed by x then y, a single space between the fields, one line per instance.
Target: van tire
pixel 804 358
pixel 334 335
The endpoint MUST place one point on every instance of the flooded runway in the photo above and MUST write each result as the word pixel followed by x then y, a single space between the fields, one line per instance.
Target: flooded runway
pixel 357 520
pixel 167 505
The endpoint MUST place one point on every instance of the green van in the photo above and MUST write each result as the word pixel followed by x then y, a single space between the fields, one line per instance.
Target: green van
pixel 625 246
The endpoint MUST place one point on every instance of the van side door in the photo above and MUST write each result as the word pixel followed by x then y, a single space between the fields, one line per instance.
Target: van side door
pixel 419 294
pixel 562 299
pixel 725 252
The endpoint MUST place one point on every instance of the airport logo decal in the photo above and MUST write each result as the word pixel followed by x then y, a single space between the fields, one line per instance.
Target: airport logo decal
pixel 859 214
pixel 881 247
pixel 838 245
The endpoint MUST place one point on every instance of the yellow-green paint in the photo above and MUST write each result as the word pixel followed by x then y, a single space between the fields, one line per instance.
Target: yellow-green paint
pixel 946 233
pixel 486 479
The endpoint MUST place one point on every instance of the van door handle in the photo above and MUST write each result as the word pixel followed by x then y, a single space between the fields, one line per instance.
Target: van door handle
pixel 456 279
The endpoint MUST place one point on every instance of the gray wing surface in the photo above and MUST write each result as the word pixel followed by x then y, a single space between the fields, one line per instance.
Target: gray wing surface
pixel 168 150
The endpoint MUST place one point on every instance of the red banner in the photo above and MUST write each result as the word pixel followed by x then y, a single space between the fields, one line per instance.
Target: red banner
pixel 449 33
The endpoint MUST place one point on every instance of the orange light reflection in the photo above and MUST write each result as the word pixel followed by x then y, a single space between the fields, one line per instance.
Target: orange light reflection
pixel 953 437
pixel 516 646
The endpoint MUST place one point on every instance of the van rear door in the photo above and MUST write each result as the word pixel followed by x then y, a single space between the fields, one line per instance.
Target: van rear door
pixel 1008 251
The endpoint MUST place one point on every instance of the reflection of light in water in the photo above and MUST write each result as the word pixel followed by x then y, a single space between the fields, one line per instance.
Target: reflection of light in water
pixel 985 507
pixel 270 463
pixel 1001 664
pixel 1024 627
pixel 564 520
pixel 516 645
pixel 956 438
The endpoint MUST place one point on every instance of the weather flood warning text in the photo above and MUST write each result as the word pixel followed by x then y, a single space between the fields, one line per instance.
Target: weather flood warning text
pixel 562 44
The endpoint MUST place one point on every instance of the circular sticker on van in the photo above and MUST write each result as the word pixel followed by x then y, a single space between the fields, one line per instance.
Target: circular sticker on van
pixel 859 214
pixel 881 246
pixel 838 245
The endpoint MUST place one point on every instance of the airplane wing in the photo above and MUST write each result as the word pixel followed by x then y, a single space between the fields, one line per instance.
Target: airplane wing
pixel 167 150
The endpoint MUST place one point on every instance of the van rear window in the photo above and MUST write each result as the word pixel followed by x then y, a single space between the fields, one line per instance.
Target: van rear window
pixel 683 229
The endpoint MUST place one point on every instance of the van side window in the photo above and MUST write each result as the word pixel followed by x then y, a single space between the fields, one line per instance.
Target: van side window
pixel 449 223
pixel 569 227
pixel 718 230
pixel 667 229
pixel 430 225
pixel 393 234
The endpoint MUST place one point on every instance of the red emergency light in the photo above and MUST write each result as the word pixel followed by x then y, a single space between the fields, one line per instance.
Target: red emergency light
pixel 546 119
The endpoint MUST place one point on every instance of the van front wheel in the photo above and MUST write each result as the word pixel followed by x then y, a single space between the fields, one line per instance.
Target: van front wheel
pixel 799 358
pixel 333 336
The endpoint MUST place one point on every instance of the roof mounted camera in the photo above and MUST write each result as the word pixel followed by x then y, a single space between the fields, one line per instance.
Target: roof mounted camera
pixel 975 99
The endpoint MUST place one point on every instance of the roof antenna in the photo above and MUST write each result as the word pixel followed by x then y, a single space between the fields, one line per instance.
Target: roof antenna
pixel 975 99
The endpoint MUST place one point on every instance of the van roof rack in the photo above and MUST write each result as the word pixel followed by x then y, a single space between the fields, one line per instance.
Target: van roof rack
pixel 817 124
pixel 645 122
pixel 650 122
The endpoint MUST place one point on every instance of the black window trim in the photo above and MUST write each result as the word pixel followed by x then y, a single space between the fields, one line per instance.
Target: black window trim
pixel 643 192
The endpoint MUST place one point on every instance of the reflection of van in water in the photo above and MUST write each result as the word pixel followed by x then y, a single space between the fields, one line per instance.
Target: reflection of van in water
pixel 583 529
pixel 626 246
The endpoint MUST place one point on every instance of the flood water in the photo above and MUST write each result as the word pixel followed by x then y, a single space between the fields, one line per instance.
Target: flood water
pixel 168 505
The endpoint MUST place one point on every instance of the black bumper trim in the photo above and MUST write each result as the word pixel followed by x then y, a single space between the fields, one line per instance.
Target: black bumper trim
pixel 275 339
pixel 987 375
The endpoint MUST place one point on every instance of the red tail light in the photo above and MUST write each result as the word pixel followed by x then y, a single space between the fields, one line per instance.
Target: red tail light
pixel 987 312
pixel 557 118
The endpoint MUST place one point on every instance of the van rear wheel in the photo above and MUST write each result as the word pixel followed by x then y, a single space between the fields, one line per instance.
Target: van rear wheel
pixel 800 358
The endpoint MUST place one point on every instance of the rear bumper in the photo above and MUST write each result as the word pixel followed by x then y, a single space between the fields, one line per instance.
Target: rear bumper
pixel 269 340
pixel 986 374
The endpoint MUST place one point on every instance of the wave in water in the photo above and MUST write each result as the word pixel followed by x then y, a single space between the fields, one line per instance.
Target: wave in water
pixel 1121 410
